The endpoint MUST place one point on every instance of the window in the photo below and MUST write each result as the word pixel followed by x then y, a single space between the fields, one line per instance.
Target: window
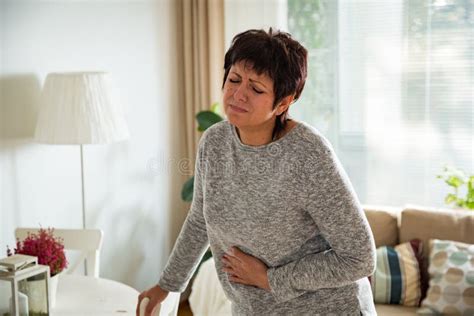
pixel 391 86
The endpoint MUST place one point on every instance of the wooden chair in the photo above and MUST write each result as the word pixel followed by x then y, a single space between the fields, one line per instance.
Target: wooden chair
pixel 87 241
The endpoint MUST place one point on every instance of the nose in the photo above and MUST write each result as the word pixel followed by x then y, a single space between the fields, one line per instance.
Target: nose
pixel 240 93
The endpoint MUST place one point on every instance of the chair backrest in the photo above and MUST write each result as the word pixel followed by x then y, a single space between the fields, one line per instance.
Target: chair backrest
pixel 87 241
pixel 169 307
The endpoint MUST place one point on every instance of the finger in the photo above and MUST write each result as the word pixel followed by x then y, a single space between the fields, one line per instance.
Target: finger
pixel 236 251
pixel 233 276
pixel 239 256
pixel 236 279
pixel 229 270
pixel 232 259
pixel 140 298
pixel 233 264
pixel 229 261
pixel 151 307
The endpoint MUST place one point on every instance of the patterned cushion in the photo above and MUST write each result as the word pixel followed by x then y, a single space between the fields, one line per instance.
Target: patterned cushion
pixel 397 277
pixel 451 272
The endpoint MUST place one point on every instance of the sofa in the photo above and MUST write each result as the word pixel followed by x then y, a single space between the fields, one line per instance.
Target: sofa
pixel 390 225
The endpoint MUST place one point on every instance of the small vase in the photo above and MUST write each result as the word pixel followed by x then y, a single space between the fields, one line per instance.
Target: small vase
pixel 53 289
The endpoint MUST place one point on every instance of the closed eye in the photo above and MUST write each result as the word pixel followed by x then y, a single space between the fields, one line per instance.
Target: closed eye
pixel 254 89
pixel 258 91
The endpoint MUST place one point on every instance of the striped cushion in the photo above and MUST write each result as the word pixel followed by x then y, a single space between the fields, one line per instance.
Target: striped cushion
pixel 397 278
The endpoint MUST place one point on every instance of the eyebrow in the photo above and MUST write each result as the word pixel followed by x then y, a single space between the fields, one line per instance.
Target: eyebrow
pixel 250 79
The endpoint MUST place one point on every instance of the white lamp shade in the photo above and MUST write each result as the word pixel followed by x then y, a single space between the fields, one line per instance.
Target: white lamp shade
pixel 79 108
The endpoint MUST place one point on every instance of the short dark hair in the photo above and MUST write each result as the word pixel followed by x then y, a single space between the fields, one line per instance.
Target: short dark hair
pixel 276 54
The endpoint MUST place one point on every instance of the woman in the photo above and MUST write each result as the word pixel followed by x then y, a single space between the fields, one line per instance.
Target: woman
pixel 286 230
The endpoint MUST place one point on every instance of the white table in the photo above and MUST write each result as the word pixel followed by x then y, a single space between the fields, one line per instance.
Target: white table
pixel 81 295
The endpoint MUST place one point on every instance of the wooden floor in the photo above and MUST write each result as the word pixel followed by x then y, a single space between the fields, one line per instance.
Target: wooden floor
pixel 184 309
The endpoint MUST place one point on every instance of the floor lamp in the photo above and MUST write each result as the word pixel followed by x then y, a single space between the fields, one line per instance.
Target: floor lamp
pixel 79 108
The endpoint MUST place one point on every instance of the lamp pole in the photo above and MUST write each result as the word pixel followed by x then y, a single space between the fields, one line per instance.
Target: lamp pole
pixel 83 200
pixel 83 191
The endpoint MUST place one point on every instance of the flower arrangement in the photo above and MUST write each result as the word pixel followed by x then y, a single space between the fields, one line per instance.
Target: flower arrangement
pixel 44 245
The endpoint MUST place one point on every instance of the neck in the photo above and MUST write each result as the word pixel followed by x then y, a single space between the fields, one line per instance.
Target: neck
pixel 257 136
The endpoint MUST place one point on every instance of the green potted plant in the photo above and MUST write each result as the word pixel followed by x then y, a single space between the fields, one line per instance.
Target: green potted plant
pixel 463 187
pixel 205 120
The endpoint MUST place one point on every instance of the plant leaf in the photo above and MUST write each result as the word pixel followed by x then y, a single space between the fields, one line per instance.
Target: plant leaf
pixel 470 205
pixel 450 198
pixel 187 191
pixel 216 108
pixel 206 119
pixel 454 181
pixel 460 202
pixel 470 185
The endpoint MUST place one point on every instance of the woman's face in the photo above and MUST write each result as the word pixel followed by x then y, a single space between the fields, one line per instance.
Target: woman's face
pixel 248 97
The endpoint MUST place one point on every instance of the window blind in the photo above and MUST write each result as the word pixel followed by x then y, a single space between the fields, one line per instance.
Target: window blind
pixel 391 85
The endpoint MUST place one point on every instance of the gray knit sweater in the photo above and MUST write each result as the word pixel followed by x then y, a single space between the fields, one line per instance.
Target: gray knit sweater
pixel 288 203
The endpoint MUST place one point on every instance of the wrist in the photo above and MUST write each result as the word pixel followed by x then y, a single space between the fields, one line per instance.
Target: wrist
pixel 265 282
pixel 162 290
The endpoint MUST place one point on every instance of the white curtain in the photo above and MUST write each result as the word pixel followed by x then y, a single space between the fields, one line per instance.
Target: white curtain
pixel 242 15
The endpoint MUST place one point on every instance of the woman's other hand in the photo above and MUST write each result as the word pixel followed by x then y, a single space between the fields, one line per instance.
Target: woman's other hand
pixel 156 295
pixel 245 269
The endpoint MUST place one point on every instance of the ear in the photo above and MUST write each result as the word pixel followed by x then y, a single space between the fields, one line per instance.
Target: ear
pixel 284 104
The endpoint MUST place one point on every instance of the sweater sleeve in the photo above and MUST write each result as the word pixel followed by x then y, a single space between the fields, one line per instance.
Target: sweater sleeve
pixel 334 207
pixel 192 241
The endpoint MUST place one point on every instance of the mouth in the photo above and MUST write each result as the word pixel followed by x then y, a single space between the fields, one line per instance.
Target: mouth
pixel 237 109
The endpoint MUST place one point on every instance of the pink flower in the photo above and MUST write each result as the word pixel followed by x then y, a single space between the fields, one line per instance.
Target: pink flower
pixel 48 249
